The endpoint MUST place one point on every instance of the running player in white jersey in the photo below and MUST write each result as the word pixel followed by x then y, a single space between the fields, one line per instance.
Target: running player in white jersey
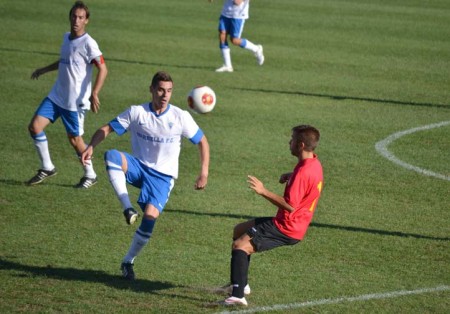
pixel 231 23
pixel 72 94
pixel 156 130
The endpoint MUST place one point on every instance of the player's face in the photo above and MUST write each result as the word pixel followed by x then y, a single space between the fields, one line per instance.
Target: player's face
pixel 294 145
pixel 161 94
pixel 78 22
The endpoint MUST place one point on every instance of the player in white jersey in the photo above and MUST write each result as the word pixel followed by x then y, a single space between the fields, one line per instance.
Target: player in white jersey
pixel 231 23
pixel 72 94
pixel 156 130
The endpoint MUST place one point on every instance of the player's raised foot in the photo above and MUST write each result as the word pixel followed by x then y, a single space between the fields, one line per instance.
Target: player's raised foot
pixel 130 215
pixel 234 301
pixel 86 183
pixel 127 271
pixel 259 55
pixel 41 176
pixel 228 289
pixel 225 68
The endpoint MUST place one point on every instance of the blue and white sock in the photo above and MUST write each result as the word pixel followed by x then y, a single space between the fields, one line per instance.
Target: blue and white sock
pixel 41 144
pixel 247 44
pixel 140 239
pixel 226 55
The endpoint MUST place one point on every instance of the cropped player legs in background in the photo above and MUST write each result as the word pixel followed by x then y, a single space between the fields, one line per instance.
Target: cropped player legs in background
pixel 234 28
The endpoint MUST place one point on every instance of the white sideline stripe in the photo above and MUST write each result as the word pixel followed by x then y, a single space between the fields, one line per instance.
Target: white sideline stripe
pixel 364 297
pixel 381 148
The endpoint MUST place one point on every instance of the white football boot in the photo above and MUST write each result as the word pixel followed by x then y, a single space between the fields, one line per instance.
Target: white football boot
pixel 259 55
pixel 234 301
pixel 224 68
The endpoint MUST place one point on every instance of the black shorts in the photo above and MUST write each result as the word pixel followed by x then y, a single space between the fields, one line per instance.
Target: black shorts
pixel 266 236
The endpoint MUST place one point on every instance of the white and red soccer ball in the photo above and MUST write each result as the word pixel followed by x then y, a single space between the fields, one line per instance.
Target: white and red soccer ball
pixel 201 99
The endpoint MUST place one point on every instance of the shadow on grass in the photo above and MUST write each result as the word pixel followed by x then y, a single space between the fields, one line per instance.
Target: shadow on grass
pixel 336 97
pixel 12 182
pixel 87 275
pixel 111 59
pixel 25 184
pixel 323 225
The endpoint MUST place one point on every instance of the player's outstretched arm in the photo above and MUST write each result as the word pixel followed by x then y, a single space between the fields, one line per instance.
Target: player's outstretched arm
pixel 38 72
pixel 202 179
pixel 279 201
pixel 97 138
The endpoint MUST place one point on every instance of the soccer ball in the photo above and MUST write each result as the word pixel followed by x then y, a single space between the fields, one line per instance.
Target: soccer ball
pixel 201 99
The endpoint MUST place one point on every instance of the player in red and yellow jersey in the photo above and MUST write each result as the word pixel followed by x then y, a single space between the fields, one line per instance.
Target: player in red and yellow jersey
pixel 295 211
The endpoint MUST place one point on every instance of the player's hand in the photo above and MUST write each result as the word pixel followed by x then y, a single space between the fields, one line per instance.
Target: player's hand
pixel 201 182
pixel 95 103
pixel 86 156
pixel 256 185
pixel 285 177
pixel 35 75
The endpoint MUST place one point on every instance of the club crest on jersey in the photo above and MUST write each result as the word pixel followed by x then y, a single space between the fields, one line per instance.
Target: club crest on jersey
pixel 170 125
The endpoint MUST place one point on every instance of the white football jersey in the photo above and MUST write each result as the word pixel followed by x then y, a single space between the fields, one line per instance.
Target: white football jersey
pixel 156 139
pixel 73 86
pixel 233 11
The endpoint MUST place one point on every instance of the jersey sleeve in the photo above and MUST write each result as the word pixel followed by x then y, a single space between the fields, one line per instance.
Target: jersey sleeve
pixel 190 128
pixel 93 51
pixel 121 123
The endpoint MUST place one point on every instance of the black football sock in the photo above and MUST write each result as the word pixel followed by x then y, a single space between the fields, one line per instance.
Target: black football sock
pixel 248 267
pixel 239 271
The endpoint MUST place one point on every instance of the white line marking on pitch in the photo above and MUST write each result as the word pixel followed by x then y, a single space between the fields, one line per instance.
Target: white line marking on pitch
pixel 364 297
pixel 381 148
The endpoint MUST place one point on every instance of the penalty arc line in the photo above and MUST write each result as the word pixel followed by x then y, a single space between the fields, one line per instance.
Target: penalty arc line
pixel 364 297
pixel 381 148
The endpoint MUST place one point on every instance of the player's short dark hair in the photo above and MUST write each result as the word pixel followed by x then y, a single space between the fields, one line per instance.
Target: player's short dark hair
pixel 161 76
pixel 308 135
pixel 79 5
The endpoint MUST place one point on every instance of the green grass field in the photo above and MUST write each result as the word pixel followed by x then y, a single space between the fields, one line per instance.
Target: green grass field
pixel 360 71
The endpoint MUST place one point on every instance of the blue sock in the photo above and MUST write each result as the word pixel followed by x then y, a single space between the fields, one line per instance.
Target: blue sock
pixel 145 230
pixel 140 239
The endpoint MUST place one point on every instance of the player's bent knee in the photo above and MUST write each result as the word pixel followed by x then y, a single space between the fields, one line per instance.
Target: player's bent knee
pixel 242 243
pixel 151 212
pixel 236 41
pixel 113 156
pixel 152 216
pixel 245 246
pixel 33 129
